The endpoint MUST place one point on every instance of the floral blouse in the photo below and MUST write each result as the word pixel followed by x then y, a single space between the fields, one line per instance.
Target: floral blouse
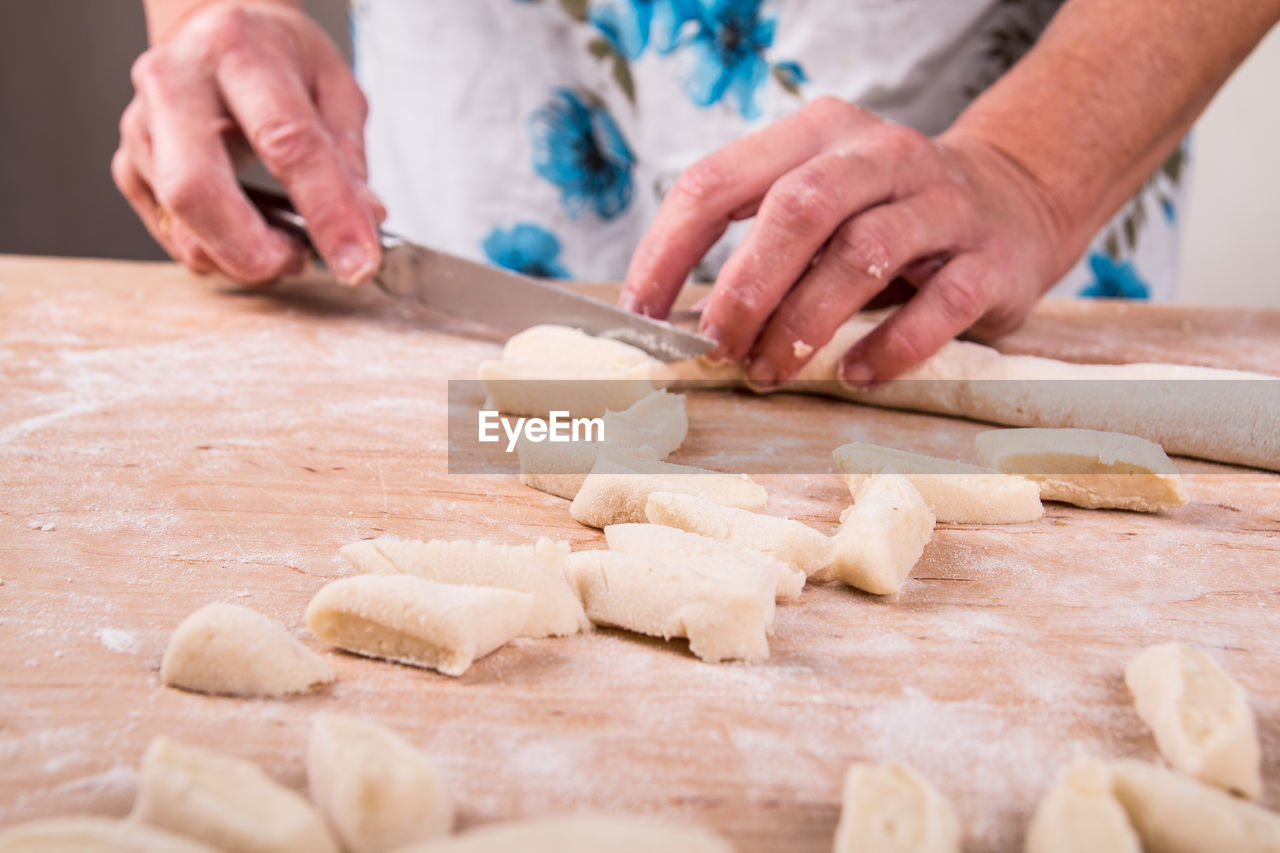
pixel 542 134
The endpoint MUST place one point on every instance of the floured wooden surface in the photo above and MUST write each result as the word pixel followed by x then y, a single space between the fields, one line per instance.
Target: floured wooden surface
pixel 187 444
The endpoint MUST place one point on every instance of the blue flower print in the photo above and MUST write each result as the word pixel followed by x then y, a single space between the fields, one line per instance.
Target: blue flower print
pixel 629 24
pixel 790 75
pixel 1114 279
pixel 578 147
pixel 729 51
pixel 526 248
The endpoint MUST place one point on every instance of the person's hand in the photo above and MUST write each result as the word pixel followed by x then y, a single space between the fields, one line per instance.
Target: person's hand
pixel 238 77
pixel 849 207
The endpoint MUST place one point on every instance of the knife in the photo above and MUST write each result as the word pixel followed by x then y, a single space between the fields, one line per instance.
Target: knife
pixel 500 299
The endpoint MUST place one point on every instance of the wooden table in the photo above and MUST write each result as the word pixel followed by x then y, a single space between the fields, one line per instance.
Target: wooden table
pixel 167 442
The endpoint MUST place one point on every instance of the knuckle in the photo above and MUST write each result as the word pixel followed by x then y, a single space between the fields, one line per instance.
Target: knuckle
pixel 963 296
pixel 864 247
pixel 701 182
pixel 288 141
pixel 182 194
pixel 148 67
pixel 905 346
pixel 802 202
pixel 902 143
pixel 829 110
pixel 120 170
pixel 228 25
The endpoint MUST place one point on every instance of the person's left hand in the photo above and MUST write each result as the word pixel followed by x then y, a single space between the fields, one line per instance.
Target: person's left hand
pixel 845 205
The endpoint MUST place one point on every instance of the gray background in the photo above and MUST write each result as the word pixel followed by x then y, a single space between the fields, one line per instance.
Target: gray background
pixel 64 80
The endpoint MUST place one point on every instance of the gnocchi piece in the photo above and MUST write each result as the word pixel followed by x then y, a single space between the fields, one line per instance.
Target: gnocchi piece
pixel 616 490
pixel 85 834
pixel 1080 814
pixel 1200 717
pixel 418 622
pixel 537 569
pixel 957 493
pixel 235 651
pixel 377 791
pixel 798 545
pixel 722 615
pixel 891 809
pixel 1085 467
pixel 691 549
pixel 882 536
pixel 224 802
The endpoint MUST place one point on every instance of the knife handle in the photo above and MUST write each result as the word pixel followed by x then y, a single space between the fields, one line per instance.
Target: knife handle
pixel 280 213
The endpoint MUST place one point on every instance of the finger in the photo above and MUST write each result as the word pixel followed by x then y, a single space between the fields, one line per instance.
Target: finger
pixel 343 109
pixel 192 175
pixel 947 304
pixel 865 254
pixel 180 246
pixel 797 217
pixel 707 195
pixel 269 100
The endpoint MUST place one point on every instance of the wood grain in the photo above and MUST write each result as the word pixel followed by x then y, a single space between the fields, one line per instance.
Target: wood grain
pixel 185 442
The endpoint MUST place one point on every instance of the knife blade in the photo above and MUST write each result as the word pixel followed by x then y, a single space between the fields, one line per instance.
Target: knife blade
pixel 500 299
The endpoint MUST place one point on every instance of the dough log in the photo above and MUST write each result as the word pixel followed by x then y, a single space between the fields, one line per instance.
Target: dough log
pixel 85 834
pixel 582 834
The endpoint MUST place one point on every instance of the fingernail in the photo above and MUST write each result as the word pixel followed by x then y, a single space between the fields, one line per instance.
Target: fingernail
pixel 762 375
pixel 352 263
pixel 718 355
pixel 858 375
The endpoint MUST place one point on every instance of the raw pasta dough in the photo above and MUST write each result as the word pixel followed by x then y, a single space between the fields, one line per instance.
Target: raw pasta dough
pixel 418 622
pixel 232 650
pixel 1218 417
pixel 722 615
pixel 224 802
pixel 891 809
pixel 616 490
pixel 1174 813
pixel 377 790
pixel 652 428
pixel 548 368
pixel 796 544
pixel 882 536
pixel 1080 814
pixel 1200 717
pixel 956 492
pixel 94 835
pixel 1086 467
pixel 690 549
pixel 582 834
pixel 537 569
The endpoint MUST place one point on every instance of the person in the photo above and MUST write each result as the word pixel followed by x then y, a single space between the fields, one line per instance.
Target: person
pixel 954 157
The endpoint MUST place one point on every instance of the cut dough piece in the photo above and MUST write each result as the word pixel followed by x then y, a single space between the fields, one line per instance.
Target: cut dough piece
pixel 796 544
pixel 882 536
pixel 537 569
pixel 616 490
pixel 891 809
pixel 418 622
pixel 225 802
pixel 957 493
pixel 235 651
pixel 1200 717
pixel 1080 814
pixel 690 549
pixel 723 616
pixel 1086 467
pixel 94 835
pixel 377 790
pixel 651 428
pixel 582 834
pixel 548 368
pixel 1174 813
pixel 1228 415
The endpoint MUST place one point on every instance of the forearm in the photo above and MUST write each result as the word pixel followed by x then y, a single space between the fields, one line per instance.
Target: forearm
pixel 1107 94
pixel 165 16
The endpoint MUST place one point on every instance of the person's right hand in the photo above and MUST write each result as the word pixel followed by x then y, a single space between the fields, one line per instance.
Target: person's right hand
pixel 267 75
